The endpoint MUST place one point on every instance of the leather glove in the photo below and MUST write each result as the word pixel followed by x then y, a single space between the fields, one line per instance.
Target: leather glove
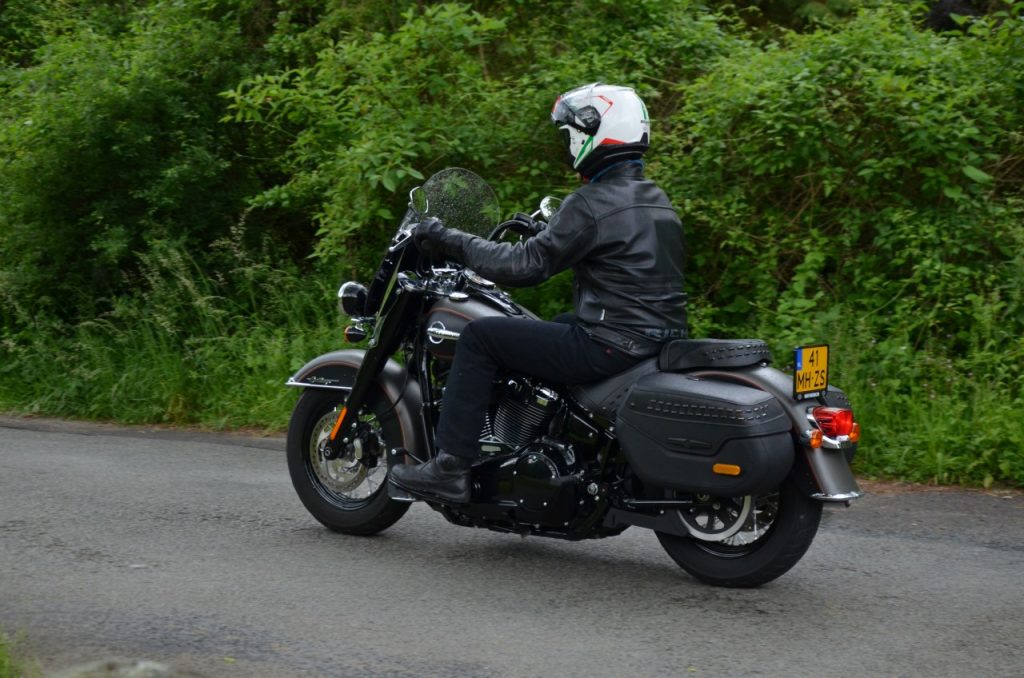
pixel 429 234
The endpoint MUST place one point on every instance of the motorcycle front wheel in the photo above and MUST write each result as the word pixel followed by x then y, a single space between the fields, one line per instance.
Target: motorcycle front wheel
pixel 347 494
pixel 777 529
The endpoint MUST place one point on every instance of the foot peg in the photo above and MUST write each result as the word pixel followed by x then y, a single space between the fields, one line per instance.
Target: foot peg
pixel 398 494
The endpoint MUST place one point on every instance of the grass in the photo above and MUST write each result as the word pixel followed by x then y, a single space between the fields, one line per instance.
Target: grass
pixel 216 351
pixel 927 414
pixel 12 665
pixel 948 425
pixel 191 350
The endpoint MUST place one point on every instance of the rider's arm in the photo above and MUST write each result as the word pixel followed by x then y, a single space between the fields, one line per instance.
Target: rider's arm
pixel 567 239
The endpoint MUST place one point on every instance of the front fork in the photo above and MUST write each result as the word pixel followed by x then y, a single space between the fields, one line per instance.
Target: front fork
pixel 384 343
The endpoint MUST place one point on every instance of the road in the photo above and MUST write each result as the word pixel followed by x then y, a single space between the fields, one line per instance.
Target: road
pixel 192 549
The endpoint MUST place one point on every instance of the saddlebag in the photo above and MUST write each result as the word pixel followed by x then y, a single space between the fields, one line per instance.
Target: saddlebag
pixel 704 436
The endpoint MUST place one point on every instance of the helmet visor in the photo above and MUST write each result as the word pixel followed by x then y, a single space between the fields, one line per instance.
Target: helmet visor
pixel 586 120
pixel 562 114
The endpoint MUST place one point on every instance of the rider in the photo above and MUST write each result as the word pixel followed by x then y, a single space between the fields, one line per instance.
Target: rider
pixel 624 242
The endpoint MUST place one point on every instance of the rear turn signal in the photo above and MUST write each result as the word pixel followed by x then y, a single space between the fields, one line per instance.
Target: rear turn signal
pixel 834 421
pixel 855 433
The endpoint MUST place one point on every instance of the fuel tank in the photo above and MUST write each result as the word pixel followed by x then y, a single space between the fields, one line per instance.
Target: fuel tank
pixel 448 318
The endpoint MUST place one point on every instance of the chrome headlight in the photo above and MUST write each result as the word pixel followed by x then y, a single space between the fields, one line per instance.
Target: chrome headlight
pixel 352 299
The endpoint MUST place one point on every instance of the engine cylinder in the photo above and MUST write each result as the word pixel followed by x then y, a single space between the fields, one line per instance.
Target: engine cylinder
pixel 523 413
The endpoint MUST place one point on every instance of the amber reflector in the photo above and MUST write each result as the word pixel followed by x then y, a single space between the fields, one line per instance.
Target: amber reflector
pixel 855 433
pixel 337 424
pixel 816 438
pixel 726 469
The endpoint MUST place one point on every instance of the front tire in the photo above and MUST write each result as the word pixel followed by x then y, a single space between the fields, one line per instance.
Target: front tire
pixel 758 553
pixel 343 494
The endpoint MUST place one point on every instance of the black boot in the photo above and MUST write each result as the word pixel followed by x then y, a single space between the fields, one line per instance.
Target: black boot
pixel 445 477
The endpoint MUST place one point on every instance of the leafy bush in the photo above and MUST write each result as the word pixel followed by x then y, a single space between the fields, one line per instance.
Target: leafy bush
pixel 171 167
pixel 863 185
pixel 879 154
pixel 112 144
pixel 367 115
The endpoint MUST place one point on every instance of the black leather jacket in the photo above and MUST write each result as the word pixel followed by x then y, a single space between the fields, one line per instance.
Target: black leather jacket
pixel 624 242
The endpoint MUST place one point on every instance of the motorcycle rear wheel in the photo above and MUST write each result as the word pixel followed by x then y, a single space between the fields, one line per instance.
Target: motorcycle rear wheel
pixel 343 494
pixel 758 553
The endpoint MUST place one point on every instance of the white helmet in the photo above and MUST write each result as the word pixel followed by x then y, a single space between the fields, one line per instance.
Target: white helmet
pixel 601 124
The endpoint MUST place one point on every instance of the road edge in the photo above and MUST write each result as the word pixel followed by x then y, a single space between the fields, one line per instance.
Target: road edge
pixel 90 428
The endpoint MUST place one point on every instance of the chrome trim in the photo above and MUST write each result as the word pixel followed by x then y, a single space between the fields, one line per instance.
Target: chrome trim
pixel 848 496
pixel 839 443
pixel 396 493
pixel 292 383
pixel 399 241
pixel 441 334
pixel 350 293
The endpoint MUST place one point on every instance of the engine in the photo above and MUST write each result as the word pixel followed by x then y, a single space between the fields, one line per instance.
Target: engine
pixel 522 415
pixel 530 473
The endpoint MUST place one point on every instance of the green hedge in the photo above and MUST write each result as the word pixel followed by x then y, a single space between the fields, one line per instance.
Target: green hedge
pixel 183 182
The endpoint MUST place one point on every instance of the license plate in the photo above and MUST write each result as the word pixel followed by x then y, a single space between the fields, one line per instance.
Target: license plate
pixel 811 376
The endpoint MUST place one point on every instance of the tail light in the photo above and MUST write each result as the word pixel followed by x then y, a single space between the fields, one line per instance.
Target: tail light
pixel 835 421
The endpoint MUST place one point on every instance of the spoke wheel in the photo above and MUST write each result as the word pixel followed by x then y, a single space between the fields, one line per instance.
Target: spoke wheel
pixel 347 494
pixel 775 533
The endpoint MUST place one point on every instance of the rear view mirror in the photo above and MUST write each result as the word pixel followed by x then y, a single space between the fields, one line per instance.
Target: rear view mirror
pixel 548 206
pixel 418 202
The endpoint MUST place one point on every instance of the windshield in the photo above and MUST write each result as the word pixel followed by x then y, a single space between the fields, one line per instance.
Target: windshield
pixel 460 199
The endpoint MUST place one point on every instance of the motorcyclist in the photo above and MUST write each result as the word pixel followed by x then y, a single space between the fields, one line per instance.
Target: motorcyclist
pixel 624 242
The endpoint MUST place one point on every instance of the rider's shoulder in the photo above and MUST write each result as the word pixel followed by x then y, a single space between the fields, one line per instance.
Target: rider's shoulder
pixel 576 206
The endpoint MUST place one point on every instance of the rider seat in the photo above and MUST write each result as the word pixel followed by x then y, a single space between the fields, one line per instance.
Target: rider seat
pixel 682 355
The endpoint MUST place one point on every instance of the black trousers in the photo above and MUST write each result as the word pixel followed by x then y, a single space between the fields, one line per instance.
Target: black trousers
pixel 557 351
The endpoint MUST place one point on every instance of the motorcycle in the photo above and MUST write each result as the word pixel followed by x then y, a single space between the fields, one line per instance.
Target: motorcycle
pixel 727 459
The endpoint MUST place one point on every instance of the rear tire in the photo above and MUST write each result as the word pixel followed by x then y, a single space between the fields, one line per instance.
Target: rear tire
pixel 753 558
pixel 343 495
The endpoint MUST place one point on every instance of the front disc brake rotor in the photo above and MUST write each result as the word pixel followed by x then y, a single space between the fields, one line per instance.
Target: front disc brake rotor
pixel 343 474
pixel 716 518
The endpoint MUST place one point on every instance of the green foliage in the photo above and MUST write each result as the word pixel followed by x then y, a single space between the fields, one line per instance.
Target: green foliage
pixel 364 116
pixel 12 664
pixel 192 347
pixel 352 141
pixel 169 167
pixel 112 143
pixel 862 185
pixel 883 156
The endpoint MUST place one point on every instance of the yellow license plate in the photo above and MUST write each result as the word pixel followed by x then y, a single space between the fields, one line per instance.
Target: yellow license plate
pixel 811 375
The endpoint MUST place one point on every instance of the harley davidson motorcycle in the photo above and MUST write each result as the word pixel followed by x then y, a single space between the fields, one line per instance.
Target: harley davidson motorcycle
pixel 727 459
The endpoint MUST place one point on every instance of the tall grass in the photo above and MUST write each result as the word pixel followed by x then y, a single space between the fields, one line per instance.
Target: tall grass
pixel 11 663
pixel 214 349
pixel 930 411
pixel 189 348
pixel 934 418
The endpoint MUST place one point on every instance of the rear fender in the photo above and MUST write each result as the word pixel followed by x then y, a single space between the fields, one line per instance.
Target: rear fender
pixel 823 474
pixel 336 371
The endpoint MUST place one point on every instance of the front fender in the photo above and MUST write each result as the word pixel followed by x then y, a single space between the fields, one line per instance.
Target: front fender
pixel 336 371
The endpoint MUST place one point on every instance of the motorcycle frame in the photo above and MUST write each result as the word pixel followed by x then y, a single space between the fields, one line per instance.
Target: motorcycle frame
pixel 824 474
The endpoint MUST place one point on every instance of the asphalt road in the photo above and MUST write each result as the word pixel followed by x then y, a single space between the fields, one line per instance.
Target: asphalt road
pixel 192 549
